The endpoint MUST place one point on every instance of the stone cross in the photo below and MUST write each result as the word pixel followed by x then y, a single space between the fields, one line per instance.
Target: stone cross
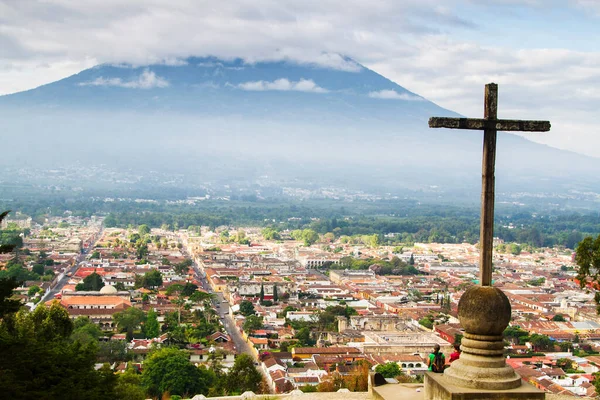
pixel 490 124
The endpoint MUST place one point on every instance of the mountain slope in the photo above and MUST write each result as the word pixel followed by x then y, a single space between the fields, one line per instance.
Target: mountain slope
pixel 279 118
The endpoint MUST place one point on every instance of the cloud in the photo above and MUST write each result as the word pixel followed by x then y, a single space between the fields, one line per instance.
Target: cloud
pixel 393 95
pixel 173 62
pixel 147 80
pixel 303 85
pixel 443 50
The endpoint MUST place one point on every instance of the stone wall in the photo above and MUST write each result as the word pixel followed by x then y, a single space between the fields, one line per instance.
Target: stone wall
pixel 343 394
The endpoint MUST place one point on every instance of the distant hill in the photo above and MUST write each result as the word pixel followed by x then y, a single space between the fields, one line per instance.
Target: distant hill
pixel 221 120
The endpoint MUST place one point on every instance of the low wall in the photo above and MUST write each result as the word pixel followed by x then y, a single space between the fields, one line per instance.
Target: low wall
pixel 294 395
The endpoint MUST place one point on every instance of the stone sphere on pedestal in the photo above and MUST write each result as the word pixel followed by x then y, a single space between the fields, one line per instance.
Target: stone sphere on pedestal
pixel 484 310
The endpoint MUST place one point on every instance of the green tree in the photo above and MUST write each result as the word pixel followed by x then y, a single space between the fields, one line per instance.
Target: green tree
pixel 388 370
pixel 303 336
pixel 141 251
pixel 243 376
pixel 92 282
pixel 565 363
pixel 558 318
pixel 152 279
pixel 129 320
pixel 247 308
pixel 85 331
pixel 261 296
pixel 151 327
pixel 309 237
pixel 189 289
pixel 33 290
pixel 112 351
pixel 169 370
pixel 41 361
pixel 95 255
pixel 541 342
pixel 252 324
pixel 7 304
pixel 270 234
pixel 587 258
pixel 143 230
pixel 275 294
pixel 38 269
pixel 183 267
pixel 129 386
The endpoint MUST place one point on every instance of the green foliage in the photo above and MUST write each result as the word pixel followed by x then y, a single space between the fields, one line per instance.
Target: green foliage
pixel 515 332
pixel 541 342
pixel 8 305
pixel 189 289
pixel 129 386
pixel 270 234
pixel 40 361
pixel 565 364
pixel 304 337
pixel 129 320
pixel 85 331
pixel 537 282
pixel 10 238
pixel 38 269
pixel 243 376
pixel 91 282
pixel 426 322
pixel 252 324
pixel 33 290
pixel 587 258
pixel 307 236
pixel 150 280
pixel 95 255
pixel 558 318
pixel 247 308
pixel 395 266
pixel 388 370
pixel 143 230
pixel 168 370
pixel 151 327
pixel 427 222
pixel 14 269
pixel 327 319
pixel 112 351
pixel 182 267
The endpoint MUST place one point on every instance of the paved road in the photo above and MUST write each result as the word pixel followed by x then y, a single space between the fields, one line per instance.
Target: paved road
pixel 63 278
pixel 222 308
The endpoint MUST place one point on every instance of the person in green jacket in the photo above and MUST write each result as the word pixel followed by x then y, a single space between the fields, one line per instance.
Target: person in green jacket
pixel 436 361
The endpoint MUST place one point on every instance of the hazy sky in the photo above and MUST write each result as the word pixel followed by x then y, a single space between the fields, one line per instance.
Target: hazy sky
pixel 544 54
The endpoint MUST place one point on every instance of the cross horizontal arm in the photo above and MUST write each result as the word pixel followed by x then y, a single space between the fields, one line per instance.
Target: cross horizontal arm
pixel 510 125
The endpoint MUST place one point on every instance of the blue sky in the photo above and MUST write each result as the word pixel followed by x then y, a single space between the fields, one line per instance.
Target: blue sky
pixel 554 26
pixel 544 54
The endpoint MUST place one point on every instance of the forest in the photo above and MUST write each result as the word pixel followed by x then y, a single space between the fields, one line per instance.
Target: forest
pixel 402 221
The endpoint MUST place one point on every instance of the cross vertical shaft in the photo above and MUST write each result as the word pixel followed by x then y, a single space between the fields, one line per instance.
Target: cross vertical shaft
pixel 486 233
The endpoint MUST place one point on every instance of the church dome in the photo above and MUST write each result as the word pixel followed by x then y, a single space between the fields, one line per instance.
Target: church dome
pixel 107 289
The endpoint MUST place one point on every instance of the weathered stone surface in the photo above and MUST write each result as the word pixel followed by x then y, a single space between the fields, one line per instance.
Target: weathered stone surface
pixel 440 387
pixel 484 310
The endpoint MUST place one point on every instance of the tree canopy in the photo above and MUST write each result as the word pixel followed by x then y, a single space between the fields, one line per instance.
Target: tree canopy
pixel 91 282
pixel 168 370
pixel 40 360
pixel 243 376
pixel 388 370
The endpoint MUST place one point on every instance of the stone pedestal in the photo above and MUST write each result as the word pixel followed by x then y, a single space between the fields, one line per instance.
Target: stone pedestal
pixel 481 372
pixel 441 387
